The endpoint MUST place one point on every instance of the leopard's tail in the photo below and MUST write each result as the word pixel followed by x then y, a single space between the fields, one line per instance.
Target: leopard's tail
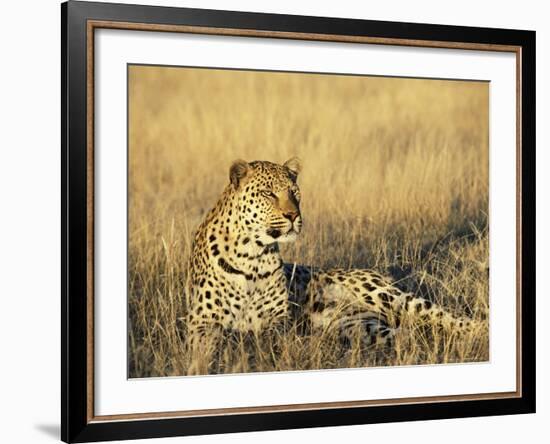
pixel 420 311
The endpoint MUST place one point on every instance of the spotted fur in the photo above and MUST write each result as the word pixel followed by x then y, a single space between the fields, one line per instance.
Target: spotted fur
pixel 363 301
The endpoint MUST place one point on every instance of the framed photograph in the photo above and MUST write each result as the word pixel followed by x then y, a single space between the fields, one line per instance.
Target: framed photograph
pixel 275 221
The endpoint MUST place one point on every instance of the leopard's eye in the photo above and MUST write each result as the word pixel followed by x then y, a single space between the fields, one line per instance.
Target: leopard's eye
pixel 269 193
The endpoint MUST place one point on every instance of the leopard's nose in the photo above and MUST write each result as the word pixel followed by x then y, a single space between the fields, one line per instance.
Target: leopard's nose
pixel 291 216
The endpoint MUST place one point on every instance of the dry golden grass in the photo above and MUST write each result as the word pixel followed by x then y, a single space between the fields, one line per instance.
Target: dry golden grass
pixel 395 178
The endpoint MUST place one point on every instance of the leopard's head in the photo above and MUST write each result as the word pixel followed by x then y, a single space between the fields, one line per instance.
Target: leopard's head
pixel 267 199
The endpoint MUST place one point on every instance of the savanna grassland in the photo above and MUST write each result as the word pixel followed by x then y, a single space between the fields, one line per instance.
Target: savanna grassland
pixel 395 178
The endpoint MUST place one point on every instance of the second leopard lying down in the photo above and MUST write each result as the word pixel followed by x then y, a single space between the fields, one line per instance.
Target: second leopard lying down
pixel 238 280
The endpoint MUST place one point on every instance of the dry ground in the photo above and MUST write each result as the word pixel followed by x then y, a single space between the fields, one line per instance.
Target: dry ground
pixel 395 178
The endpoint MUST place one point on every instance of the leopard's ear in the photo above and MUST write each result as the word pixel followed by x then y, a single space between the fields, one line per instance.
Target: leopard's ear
pixel 238 171
pixel 294 165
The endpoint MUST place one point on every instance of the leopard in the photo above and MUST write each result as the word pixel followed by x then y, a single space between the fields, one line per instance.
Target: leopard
pixel 238 280
pixel 236 277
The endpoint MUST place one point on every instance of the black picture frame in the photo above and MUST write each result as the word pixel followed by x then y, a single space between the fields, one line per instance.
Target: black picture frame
pixel 76 423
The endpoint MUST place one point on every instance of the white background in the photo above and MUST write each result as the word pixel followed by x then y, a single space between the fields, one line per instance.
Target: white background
pixel 115 394
pixel 30 207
